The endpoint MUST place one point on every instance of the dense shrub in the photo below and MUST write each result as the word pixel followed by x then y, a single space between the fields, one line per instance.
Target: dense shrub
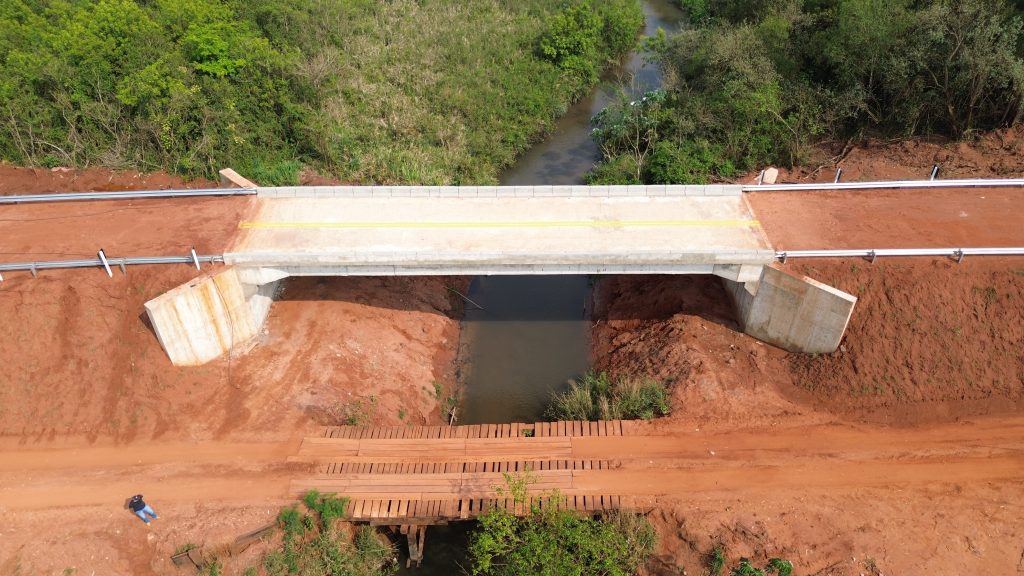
pixel 558 542
pixel 421 91
pixel 579 39
pixel 599 397
pixel 756 82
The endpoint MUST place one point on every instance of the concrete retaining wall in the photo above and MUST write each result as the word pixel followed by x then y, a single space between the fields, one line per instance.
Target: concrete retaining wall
pixel 795 313
pixel 205 318
pixel 497 191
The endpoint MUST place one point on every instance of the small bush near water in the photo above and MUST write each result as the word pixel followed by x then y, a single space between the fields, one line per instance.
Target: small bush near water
pixel 312 544
pixel 599 397
pixel 558 542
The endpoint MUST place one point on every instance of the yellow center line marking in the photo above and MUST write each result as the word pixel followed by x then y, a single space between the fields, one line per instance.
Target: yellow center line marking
pixel 738 223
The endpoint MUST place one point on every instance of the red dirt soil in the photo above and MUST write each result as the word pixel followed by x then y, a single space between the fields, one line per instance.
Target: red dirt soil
pixel 930 341
pixel 83 372
pixel 941 218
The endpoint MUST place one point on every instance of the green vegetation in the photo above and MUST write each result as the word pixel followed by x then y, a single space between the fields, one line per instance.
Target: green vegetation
pixel 312 543
pixel 774 566
pixel 358 412
pixel 598 397
pixel 756 83
pixel 419 91
pixel 448 402
pixel 557 542
pixel 716 563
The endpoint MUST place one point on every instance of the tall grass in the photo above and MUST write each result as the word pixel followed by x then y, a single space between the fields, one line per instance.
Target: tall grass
pixel 597 396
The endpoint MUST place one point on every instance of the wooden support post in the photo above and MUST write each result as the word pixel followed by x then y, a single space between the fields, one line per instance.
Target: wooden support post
pixel 416 535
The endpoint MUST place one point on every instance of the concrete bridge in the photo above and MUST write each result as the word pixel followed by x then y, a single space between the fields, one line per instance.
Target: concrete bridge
pixel 448 230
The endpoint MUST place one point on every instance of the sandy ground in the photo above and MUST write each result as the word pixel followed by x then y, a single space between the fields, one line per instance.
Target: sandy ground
pixel 930 344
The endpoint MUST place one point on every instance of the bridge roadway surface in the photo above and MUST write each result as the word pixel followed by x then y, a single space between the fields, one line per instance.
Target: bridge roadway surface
pixel 481 235
pixel 920 218
pixel 646 462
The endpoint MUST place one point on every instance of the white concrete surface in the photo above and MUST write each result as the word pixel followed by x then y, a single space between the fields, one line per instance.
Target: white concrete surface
pixel 539 191
pixel 492 235
pixel 205 318
pixel 795 313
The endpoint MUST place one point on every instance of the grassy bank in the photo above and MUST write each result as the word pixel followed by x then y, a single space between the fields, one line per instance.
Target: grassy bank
pixel 756 83
pixel 598 396
pixel 401 91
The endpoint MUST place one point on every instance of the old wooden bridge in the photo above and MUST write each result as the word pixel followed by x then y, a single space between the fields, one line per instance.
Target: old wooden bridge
pixel 415 476
pixel 432 474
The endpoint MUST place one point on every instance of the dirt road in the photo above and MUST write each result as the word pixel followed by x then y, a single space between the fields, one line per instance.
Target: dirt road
pixel 681 463
pixel 925 218
pixel 157 227
pixel 179 472
pixel 675 467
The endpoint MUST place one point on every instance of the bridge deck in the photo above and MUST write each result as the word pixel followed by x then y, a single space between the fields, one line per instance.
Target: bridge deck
pixel 430 474
pixel 361 236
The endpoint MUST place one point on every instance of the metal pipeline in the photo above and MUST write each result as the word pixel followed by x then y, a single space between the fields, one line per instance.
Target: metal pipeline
pixel 894 184
pixel 957 253
pixel 129 195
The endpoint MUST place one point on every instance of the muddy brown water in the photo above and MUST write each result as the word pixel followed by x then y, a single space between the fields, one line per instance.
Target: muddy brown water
pixel 532 334
pixel 528 339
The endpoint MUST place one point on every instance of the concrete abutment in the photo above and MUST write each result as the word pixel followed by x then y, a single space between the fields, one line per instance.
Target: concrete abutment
pixel 795 313
pixel 209 316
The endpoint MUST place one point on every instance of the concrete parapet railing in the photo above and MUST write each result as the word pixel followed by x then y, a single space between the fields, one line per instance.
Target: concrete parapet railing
pixel 658 190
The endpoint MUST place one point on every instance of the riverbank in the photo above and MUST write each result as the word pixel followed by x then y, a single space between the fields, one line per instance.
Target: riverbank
pixel 931 342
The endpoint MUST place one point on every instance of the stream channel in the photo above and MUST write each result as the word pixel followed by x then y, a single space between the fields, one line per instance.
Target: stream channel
pixel 531 334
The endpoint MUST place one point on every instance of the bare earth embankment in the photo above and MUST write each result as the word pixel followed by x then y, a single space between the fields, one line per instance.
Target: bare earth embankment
pixel 930 343
pixel 85 380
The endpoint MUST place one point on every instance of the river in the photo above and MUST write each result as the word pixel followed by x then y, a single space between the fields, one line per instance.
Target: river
pixel 531 334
